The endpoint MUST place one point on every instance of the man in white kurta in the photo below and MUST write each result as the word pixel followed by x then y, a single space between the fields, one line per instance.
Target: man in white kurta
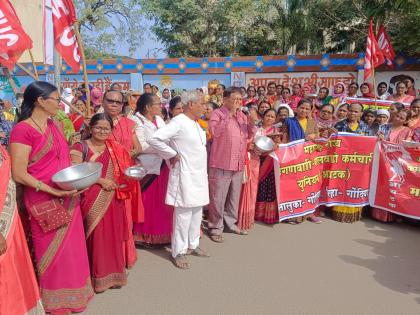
pixel 188 184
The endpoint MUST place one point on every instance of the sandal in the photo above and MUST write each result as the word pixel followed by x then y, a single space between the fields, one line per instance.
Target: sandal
pixel 197 252
pixel 180 261
pixel 217 238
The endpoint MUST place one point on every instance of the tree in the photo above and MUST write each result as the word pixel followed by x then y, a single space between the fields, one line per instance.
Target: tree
pixel 271 27
pixel 104 24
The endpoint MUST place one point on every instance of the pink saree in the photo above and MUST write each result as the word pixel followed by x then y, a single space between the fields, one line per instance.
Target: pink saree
pixel 105 227
pixel 123 133
pixel 18 286
pixel 157 225
pixel 64 276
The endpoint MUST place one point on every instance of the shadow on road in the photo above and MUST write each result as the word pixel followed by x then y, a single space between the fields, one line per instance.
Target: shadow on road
pixel 396 266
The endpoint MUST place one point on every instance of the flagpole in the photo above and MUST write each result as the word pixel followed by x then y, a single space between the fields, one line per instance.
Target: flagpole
pixel 33 64
pixel 26 70
pixel 85 76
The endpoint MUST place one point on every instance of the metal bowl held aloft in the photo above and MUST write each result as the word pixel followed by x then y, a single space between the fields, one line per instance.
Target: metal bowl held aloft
pixel 78 177
pixel 264 143
pixel 135 172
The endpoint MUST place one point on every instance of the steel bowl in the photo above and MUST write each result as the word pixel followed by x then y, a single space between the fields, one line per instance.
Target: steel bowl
pixel 265 144
pixel 136 172
pixel 78 177
pixel 411 144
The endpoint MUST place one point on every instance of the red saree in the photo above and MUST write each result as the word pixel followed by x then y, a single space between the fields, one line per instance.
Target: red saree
pixel 18 286
pixel 123 133
pixel 106 228
pixel 64 276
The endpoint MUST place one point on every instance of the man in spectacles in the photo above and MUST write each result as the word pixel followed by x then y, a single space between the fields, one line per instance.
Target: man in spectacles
pixel 231 129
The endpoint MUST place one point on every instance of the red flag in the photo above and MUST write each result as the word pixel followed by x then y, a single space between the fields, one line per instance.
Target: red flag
pixel 13 39
pixel 374 56
pixel 64 16
pixel 385 45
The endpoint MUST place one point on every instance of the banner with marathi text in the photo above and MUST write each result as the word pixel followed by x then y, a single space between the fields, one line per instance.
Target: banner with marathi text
pixel 395 182
pixel 336 172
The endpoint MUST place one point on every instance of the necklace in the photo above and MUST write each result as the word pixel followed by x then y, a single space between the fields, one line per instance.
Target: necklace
pixel 40 129
pixel 95 147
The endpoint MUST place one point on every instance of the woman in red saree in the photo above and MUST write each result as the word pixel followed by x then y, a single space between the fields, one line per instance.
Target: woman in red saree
pixel 124 133
pixel 38 151
pixel 266 197
pixel 103 206
pixel 76 118
pixel 18 287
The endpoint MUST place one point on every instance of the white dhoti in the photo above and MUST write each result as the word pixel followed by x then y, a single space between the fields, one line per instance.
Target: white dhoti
pixel 186 229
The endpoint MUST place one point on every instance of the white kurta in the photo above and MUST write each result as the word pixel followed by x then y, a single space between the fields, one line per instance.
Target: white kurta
pixel 145 129
pixel 188 183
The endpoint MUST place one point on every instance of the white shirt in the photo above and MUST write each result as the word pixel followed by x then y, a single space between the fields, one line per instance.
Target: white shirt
pixel 145 129
pixel 188 183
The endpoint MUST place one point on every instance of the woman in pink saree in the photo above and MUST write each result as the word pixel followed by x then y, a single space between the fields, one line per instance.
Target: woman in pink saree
pixel 103 204
pixel 124 133
pixel 38 151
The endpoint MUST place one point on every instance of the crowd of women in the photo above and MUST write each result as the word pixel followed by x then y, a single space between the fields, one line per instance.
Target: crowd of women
pixel 88 240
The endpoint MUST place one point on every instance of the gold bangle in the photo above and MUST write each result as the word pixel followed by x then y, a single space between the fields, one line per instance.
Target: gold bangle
pixel 38 186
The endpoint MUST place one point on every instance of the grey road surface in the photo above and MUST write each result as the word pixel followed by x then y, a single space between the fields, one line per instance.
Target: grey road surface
pixel 332 268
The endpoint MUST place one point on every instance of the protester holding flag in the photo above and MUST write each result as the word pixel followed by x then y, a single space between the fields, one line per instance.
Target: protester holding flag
pixel 401 94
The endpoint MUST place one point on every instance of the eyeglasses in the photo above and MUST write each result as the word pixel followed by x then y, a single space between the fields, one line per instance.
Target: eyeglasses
pixel 100 129
pixel 53 98
pixel 113 101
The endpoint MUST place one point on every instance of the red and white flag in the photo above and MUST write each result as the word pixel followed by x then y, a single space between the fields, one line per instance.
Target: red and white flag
pixel 385 45
pixel 64 17
pixel 374 56
pixel 13 39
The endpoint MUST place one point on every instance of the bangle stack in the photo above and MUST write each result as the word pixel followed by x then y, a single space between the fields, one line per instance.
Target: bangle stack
pixel 38 186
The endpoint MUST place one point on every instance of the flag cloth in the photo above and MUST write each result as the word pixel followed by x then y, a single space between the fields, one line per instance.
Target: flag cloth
pixel 374 56
pixel 13 38
pixel 64 17
pixel 385 45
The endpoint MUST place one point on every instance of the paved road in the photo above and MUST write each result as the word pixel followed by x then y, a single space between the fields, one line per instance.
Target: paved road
pixel 332 268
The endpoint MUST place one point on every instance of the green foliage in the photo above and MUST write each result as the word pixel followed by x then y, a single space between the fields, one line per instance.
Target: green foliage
pixel 272 27
pixel 104 24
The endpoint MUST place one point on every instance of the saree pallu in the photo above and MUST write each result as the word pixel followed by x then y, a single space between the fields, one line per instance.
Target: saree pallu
pixel 157 226
pixel 248 197
pixel 123 133
pixel 106 231
pixel 60 255
pixel 19 291
pixel 266 207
